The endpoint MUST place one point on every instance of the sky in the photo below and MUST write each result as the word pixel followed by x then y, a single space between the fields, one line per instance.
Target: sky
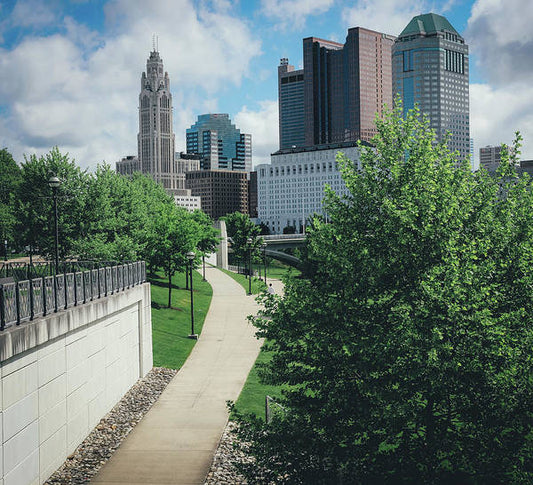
pixel 70 70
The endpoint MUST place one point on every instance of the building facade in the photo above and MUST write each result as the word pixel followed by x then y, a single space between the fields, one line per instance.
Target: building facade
pixel 490 157
pixel 128 165
pixel 430 68
pixel 291 188
pixel 526 166
pixel 187 200
pixel 221 191
pixel 221 145
pixel 345 86
pixel 155 141
pixel 291 105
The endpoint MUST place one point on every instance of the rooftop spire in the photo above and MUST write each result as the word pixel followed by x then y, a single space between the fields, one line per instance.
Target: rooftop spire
pixel 155 43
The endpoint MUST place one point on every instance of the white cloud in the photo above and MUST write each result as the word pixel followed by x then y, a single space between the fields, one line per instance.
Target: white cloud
pixel 293 13
pixel 388 16
pixel 83 95
pixel 500 35
pixel 501 39
pixel 497 113
pixel 263 124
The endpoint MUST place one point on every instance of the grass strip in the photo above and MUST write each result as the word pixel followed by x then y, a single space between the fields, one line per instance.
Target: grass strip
pixel 171 326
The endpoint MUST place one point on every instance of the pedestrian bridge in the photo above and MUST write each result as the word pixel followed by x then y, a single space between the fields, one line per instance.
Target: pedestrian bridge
pixel 283 241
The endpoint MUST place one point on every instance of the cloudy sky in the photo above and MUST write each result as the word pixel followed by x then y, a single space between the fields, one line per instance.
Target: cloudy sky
pixel 70 70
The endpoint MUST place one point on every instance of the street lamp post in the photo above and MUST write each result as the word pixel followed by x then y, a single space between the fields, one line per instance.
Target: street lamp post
pixel 249 241
pixel 264 246
pixel 190 256
pixel 54 184
pixel 5 249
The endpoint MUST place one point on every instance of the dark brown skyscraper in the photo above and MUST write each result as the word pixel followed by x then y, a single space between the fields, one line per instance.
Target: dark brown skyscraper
pixel 344 86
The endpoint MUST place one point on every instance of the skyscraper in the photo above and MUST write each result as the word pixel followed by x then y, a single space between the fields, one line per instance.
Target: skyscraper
pixel 338 92
pixel 291 105
pixel 155 140
pixel 430 67
pixel 221 145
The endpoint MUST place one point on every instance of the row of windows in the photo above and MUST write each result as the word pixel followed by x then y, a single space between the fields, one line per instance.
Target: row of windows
pixel 455 61
pixel 292 79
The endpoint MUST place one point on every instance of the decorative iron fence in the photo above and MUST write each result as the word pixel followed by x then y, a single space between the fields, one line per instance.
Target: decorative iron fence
pixel 23 300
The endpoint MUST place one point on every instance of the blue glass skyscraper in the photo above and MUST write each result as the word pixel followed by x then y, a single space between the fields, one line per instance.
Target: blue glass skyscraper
pixel 221 145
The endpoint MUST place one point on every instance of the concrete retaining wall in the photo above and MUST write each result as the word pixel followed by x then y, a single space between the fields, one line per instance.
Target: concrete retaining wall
pixel 62 373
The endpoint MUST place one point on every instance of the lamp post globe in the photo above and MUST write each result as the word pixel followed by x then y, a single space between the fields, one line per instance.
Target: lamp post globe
pixel 54 182
pixel 190 256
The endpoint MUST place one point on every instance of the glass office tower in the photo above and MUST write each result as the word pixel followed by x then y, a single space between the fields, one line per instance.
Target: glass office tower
pixel 221 145
pixel 430 68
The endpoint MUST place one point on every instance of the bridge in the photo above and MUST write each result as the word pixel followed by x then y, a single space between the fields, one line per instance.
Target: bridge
pixel 274 243
pixel 284 241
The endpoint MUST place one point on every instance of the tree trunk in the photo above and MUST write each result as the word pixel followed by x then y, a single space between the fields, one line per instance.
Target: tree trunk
pixel 169 288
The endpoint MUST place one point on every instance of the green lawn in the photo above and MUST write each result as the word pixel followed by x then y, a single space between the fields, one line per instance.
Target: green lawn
pixel 252 397
pixel 170 327
pixel 257 285
pixel 277 269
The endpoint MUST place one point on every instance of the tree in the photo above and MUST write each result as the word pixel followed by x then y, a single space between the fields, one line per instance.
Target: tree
pixel 175 234
pixel 9 183
pixel 120 215
pixel 35 206
pixel 406 353
pixel 240 229
pixel 208 236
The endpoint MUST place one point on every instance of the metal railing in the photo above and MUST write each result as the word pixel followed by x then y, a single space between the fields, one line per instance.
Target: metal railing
pixel 24 300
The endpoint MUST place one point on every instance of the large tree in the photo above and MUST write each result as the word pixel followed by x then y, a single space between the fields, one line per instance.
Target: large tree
pixel 9 182
pixel 35 205
pixel 406 353
pixel 241 229
pixel 176 232
pixel 208 238
pixel 121 214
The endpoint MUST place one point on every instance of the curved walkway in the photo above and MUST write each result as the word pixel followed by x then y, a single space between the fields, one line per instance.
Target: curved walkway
pixel 176 440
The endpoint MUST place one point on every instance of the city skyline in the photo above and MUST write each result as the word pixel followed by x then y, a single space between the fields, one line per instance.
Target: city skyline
pixel 222 57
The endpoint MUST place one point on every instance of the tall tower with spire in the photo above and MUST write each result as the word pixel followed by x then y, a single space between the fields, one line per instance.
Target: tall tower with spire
pixel 155 141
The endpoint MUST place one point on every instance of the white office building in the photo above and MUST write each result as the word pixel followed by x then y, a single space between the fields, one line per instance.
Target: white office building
pixel 291 188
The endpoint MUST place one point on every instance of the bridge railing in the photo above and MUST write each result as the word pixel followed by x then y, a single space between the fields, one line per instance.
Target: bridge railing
pixel 275 237
pixel 24 300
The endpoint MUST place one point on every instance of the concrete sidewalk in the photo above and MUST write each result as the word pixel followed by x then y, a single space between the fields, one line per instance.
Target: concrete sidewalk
pixel 176 440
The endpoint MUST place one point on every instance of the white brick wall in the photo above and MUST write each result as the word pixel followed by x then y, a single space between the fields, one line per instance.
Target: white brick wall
pixel 61 374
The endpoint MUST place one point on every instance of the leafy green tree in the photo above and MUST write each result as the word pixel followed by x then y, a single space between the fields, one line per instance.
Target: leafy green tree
pixel 208 237
pixel 406 353
pixel 289 230
pixel 176 233
pixel 120 215
pixel 35 205
pixel 9 183
pixel 240 229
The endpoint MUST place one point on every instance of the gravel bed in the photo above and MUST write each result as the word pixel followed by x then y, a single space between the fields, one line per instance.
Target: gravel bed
pixel 99 446
pixel 222 470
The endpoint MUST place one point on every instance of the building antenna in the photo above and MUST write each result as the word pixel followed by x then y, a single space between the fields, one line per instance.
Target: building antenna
pixel 153 43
